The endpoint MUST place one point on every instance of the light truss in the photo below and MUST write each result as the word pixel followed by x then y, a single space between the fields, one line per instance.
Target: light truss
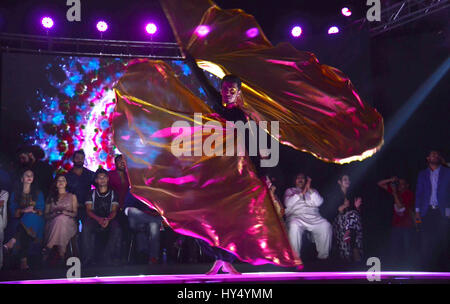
pixel 403 12
pixel 88 47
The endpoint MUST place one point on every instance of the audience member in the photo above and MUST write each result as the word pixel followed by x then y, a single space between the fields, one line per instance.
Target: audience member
pixel 433 211
pixel 60 212
pixel 5 177
pixel 79 181
pixel 402 232
pixel 30 157
pixel 302 213
pixel 3 219
pixel 343 210
pixel 101 210
pixel 144 221
pixel 118 180
pixel 27 204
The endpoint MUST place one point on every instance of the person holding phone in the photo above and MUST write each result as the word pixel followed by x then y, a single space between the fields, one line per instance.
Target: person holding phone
pixel 302 213
pixel 402 232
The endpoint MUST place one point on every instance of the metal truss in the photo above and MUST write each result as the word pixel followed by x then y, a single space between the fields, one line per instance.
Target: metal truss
pixel 89 47
pixel 404 12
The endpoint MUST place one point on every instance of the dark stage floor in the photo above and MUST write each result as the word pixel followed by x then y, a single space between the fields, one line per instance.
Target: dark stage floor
pixel 185 273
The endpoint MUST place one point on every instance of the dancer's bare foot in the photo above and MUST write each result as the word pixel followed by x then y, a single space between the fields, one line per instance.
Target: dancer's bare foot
pixel 215 268
pixel 227 267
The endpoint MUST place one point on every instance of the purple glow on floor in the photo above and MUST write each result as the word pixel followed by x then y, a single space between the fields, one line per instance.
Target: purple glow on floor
pixel 245 277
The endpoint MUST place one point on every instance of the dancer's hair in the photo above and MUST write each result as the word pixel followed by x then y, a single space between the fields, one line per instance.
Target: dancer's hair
pixel 231 78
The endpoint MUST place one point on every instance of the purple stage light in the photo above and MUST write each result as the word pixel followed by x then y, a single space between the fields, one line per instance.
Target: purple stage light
pixel 346 12
pixel 333 30
pixel 252 33
pixel 102 26
pixel 47 22
pixel 296 31
pixel 202 30
pixel 151 28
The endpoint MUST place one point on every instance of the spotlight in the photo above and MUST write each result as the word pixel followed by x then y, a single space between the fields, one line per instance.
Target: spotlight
pixel 47 22
pixel 102 26
pixel 333 30
pixel 252 33
pixel 202 30
pixel 151 28
pixel 346 12
pixel 296 31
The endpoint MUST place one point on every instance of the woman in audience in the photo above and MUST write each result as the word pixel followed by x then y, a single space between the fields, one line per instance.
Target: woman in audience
pixel 343 210
pixel 27 204
pixel 60 213
pixel 3 219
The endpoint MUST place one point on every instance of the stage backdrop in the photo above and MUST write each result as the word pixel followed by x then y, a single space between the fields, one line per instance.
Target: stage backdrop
pixel 65 103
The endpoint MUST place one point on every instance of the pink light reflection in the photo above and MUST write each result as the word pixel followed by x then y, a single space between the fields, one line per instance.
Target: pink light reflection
pixel 179 180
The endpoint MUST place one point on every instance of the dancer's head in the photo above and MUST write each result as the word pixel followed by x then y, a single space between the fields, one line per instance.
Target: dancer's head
pixel 230 89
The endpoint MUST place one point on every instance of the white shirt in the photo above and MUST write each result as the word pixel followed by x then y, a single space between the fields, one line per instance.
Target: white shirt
pixel 3 210
pixel 303 207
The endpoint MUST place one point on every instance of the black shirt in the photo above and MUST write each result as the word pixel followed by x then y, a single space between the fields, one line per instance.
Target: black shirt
pixel 80 185
pixel 102 202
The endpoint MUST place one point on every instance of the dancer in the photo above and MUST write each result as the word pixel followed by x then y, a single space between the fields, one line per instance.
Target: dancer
pixel 227 106
pixel 316 106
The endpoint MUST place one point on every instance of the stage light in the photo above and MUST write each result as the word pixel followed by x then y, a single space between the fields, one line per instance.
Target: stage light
pixel 202 30
pixel 102 26
pixel 151 28
pixel 346 12
pixel 296 31
pixel 333 30
pixel 252 33
pixel 47 22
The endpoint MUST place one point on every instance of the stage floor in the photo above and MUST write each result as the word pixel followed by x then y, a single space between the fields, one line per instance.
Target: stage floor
pixel 192 274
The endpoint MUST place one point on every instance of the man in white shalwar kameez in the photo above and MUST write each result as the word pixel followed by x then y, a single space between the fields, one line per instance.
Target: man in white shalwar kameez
pixel 302 213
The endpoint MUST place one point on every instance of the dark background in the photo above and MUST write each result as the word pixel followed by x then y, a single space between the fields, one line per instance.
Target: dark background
pixel 387 70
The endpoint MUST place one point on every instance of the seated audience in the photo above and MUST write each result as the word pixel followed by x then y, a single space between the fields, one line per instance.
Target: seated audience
pixel 145 222
pixel 30 157
pixel 3 219
pixel 60 212
pixel 79 181
pixel 27 204
pixel 343 210
pixel 302 213
pixel 101 211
